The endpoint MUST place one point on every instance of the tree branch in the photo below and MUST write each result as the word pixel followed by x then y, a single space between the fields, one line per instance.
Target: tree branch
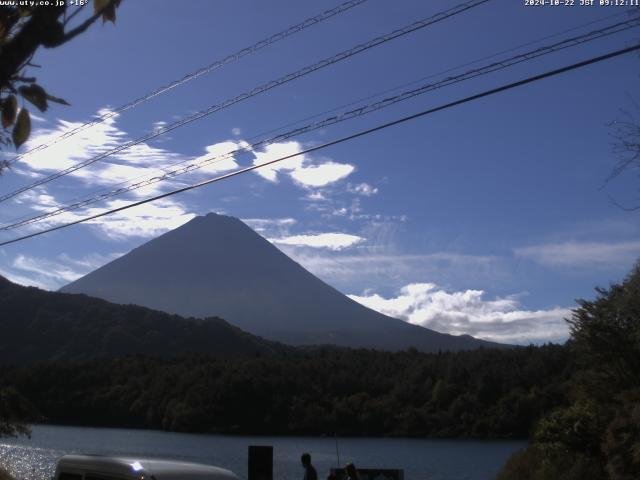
pixel 41 28
pixel 83 26
pixel 623 207
pixel 78 10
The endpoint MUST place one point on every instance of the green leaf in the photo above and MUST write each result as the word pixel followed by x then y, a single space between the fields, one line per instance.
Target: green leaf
pixel 61 101
pixel 98 5
pixel 22 130
pixel 36 95
pixel 3 31
pixel 9 111
pixel 108 9
pixel 109 14
pixel 25 11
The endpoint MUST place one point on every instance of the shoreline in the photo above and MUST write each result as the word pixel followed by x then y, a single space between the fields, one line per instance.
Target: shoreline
pixel 283 436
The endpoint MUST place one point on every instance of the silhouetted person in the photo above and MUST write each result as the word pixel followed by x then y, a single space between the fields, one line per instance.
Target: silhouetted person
pixel 309 472
pixel 352 473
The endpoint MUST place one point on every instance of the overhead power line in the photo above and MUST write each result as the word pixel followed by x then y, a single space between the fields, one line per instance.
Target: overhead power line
pixel 256 91
pixel 347 138
pixel 292 30
pixel 341 117
pixel 448 70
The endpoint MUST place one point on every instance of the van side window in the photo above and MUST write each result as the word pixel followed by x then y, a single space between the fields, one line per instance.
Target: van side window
pixel 69 476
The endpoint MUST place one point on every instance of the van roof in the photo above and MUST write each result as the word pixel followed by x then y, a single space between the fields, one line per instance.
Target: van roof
pixel 135 467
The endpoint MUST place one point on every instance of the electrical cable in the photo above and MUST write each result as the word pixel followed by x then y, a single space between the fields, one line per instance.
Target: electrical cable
pixel 256 91
pixel 362 133
pixel 199 72
pixel 348 115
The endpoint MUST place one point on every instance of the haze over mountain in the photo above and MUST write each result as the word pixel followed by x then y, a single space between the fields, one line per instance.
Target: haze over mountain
pixel 216 265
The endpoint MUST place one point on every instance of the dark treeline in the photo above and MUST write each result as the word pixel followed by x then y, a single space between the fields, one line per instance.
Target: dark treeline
pixel 482 393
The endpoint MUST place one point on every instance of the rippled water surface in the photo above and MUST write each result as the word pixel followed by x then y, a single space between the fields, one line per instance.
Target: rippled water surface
pixel 34 459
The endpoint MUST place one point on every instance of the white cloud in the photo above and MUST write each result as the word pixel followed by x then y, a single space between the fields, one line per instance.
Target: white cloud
pixel 37 118
pixel 89 262
pixel 134 163
pixel 38 199
pixel 362 189
pixel 261 222
pixel 52 274
pixel 114 174
pixel 582 254
pixel 299 168
pixel 316 196
pixel 137 163
pixel 45 268
pixel 159 125
pixel 467 312
pixel 352 211
pixel 357 269
pixel 270 225
pixel 225 162
pixel 236 131
pixel 28 280
pixel 26 173
pixel 66 153
pixel 322 175
pixel 332 241
pixel 144 221
pixel 273 152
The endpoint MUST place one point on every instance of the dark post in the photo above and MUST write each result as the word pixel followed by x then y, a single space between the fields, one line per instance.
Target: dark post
pixel 260 462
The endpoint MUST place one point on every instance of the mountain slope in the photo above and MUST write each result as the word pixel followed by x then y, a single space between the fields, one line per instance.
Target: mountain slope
pixel 37 326
pixel 217 265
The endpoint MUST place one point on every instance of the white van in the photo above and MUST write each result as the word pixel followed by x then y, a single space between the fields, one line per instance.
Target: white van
pixel 98 467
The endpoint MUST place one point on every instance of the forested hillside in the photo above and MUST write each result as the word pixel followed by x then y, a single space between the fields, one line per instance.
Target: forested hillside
pixel 482 393
pixel 36 325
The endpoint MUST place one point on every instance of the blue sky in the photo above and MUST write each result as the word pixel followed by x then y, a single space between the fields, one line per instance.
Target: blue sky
pixel 490 218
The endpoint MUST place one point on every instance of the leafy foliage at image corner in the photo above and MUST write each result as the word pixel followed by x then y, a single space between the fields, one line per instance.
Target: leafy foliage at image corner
pixel 24 29
pixel 597 435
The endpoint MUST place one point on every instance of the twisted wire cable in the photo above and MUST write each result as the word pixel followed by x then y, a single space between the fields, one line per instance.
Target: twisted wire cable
pixel 292 30
pixel 256 91
pixel 341 117
pixel 362 133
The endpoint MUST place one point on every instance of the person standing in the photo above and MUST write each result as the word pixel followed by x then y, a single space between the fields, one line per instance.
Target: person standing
pixel 352 472
pixel 309 471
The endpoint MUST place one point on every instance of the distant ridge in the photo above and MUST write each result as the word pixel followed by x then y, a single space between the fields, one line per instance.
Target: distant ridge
pixel 36 325
pixel 216 265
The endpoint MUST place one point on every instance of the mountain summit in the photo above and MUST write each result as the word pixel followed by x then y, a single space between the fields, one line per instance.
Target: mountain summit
pixel 216 265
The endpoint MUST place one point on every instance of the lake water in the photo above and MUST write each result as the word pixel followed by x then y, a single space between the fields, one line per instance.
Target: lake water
pixel 34 459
